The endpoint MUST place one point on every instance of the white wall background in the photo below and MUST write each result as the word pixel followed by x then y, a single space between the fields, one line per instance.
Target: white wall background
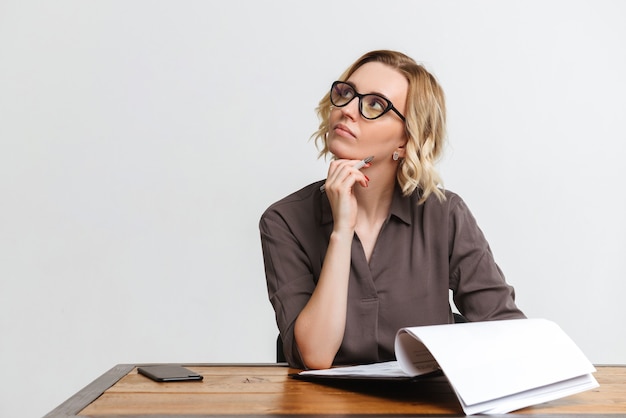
pixel 140 141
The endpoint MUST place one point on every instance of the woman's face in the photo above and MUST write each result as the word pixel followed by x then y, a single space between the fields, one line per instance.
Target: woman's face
pixel 351 136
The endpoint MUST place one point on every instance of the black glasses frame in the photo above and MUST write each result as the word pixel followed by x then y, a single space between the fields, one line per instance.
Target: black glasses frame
pixel 389 107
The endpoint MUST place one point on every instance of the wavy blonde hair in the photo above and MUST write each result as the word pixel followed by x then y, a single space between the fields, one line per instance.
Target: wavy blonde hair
pixel 425 123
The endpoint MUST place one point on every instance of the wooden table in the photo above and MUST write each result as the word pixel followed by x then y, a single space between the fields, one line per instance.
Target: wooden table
pixel 255 390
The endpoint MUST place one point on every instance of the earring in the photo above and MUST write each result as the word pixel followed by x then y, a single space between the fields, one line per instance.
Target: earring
pixel 395 156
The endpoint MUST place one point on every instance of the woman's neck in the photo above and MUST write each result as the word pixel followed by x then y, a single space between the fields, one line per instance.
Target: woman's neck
pixel 374 201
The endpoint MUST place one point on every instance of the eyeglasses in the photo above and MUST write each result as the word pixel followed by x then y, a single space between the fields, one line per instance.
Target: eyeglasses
pixel 371 106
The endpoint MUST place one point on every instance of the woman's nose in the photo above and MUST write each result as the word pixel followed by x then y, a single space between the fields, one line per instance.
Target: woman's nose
pixel 351 110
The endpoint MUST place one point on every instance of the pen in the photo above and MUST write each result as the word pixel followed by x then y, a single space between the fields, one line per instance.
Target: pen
pixel 358 166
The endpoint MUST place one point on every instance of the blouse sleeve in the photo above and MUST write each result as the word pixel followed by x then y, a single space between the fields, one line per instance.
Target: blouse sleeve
pixel 479 288
pixel 290 282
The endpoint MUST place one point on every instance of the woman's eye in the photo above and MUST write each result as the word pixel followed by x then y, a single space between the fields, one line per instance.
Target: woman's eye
pixel 346 92
pixel 376 103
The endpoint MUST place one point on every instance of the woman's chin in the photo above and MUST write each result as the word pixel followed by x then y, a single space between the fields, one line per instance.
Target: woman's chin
pixel 342 152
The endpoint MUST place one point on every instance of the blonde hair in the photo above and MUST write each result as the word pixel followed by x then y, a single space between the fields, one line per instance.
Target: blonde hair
pixel 425 123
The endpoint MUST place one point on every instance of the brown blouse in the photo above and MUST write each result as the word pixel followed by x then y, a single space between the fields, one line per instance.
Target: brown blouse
pixel 421 252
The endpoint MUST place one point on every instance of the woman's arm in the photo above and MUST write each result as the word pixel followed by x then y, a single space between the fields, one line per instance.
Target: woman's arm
pixel 479 286
pixel 319 328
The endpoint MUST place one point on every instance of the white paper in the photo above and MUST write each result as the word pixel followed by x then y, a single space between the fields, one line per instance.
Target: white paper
pixel 486 361
pixel 533 396
pixel 385 370
pixel 494 367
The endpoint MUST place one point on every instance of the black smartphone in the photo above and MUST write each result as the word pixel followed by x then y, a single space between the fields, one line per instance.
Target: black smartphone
pixel 168 373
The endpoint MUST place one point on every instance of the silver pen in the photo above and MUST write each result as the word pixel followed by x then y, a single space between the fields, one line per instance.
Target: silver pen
pixel 358 166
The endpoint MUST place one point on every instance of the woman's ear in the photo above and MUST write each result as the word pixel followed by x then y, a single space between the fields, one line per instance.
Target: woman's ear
pixel 399 153
pixel 401 150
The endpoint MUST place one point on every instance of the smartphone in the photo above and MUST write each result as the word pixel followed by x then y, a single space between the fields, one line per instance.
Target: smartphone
pixel 168 373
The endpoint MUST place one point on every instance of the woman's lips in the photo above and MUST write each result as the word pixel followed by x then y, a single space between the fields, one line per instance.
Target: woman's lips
pixel 343 130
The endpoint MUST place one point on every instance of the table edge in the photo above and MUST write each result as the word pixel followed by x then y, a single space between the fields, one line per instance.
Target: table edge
pixel 79 401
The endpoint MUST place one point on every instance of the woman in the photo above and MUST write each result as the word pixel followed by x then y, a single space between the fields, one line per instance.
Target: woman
pixel 352 259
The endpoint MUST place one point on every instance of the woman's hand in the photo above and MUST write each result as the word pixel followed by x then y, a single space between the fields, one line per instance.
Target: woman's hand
pixel 342 177
pixel 320 326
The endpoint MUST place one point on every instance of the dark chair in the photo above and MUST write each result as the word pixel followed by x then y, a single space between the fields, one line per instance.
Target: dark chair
pixel 280 355
pixel 459 319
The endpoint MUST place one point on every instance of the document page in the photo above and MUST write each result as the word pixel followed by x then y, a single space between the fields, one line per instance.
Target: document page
pixel 493 367
pixel 485 361
pixel 385 370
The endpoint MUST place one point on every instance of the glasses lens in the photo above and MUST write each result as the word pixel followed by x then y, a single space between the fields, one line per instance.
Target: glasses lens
pixel 341 94
pixel 373 106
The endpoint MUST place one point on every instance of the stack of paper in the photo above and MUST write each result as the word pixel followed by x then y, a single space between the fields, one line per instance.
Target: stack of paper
pixel 494 367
